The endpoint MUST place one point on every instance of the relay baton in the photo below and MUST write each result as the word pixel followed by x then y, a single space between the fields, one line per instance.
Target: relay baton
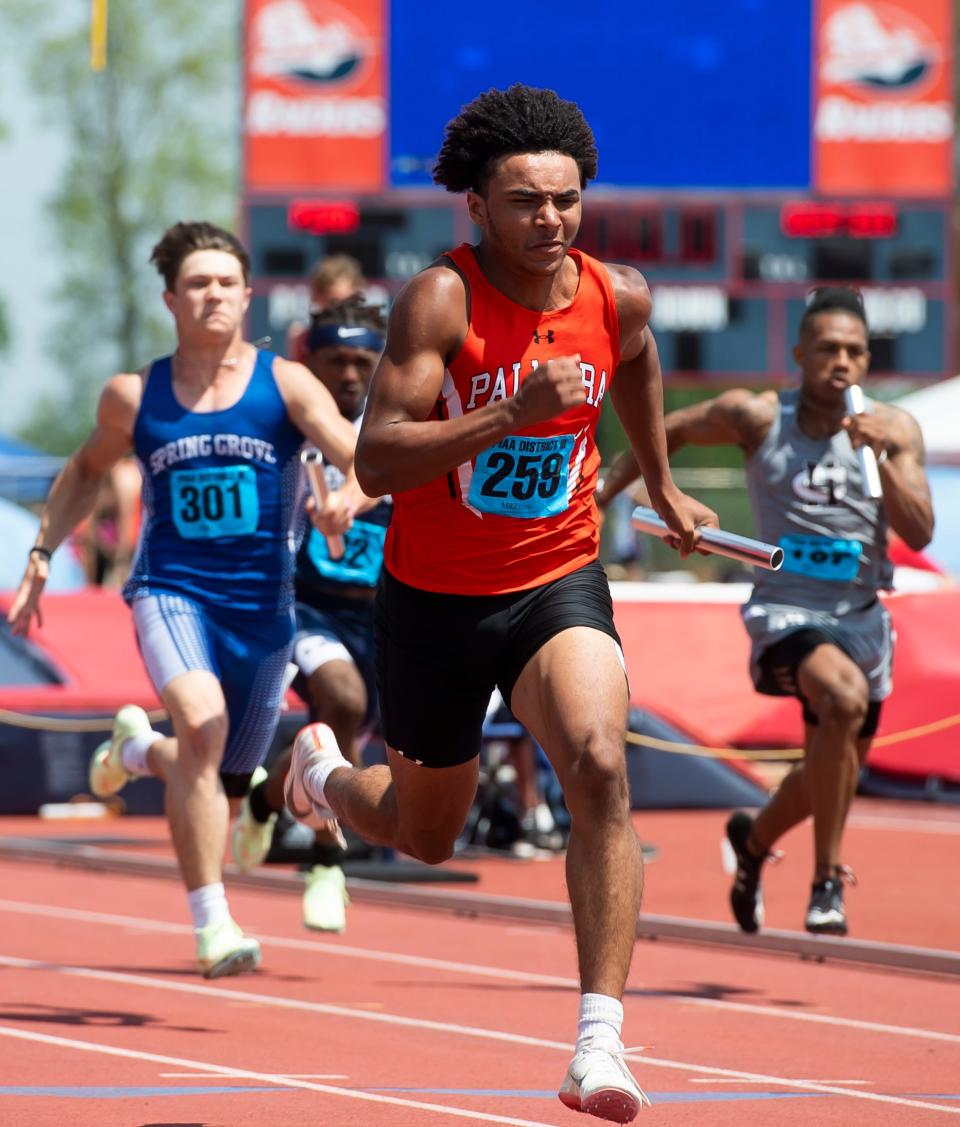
pixel 715 541
pixel 312 462
pixel 869 470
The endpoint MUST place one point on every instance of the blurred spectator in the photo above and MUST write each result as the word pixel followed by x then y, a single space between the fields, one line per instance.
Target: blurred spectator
pixel 519 803
pixel 108 539
pixel 626 554
pixel 332 279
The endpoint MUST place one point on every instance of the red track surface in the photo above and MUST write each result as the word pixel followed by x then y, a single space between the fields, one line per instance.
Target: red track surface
pixel 422 1018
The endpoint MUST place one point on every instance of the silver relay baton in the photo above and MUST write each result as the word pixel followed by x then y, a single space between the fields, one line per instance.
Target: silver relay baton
pixel 312 462
pixel 715 541
pixel 869 470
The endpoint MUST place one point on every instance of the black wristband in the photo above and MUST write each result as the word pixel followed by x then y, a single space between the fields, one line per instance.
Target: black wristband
pixel 43 553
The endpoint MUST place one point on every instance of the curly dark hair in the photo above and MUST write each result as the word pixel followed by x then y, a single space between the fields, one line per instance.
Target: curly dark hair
pixel 182 239
pixel 833 299
pixel 521 119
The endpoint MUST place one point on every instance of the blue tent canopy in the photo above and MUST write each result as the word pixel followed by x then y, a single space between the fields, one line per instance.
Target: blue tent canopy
pixel 26 474
pixel 18 533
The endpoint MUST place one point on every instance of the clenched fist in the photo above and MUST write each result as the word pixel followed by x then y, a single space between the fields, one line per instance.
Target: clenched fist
pixel 551 389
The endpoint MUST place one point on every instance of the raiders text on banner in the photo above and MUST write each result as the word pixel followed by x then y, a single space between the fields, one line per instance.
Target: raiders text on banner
pixel 884 118
pixel 315 107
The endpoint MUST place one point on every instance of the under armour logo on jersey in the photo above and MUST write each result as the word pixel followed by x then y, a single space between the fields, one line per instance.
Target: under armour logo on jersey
pixel 547 336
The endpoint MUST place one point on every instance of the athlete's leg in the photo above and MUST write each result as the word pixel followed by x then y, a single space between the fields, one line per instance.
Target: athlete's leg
pixel 338 697
pixel 173 633
pixel 197 808
pixel 838 694
pixel 572 695
pixel 790 804
pixel 418 810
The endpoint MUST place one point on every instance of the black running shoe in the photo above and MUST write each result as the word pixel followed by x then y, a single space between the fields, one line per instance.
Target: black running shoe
pixel 746 898
pixel 826 914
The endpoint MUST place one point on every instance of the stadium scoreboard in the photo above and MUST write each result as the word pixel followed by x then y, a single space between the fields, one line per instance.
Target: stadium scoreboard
pixel 748 152
pixel 729 278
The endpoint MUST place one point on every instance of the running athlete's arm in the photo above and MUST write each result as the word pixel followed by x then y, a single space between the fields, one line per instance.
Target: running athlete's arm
pixel 637 393
pixel 736 418
pixel 403 443
pixel 313 410
pixel 74 492
pixel 897 441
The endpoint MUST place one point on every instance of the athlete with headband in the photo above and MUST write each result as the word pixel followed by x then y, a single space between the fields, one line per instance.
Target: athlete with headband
pixel 333 651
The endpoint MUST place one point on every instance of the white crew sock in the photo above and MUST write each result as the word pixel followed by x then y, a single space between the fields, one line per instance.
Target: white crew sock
pixel 601 1020
pixel 208 905
pixel 316 775
pixel 133 752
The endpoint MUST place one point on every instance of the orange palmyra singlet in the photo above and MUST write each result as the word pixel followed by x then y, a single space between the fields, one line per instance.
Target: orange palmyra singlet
pixel 522 512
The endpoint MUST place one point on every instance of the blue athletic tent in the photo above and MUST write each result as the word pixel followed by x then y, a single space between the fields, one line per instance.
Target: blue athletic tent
pixel 26 474
pixel 18 533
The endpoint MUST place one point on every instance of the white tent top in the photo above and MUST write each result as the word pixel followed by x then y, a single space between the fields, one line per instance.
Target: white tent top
pixel 937 410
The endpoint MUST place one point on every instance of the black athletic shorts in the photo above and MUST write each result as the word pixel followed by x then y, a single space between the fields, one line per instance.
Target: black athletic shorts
pixel 778 666
pixel 439 657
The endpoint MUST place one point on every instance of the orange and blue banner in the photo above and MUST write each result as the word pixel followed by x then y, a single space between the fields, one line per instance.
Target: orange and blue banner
pixel 315 99
pixel 883 98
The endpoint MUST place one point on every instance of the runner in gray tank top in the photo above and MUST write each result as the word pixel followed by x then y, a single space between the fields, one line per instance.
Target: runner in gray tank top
pixel 817 628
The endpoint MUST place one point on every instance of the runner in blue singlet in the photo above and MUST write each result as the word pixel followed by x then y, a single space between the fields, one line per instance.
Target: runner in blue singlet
pixel 217 428
pixel 333 652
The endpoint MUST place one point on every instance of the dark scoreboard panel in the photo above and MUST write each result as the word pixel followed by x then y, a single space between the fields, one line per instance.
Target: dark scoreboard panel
pixel 729 276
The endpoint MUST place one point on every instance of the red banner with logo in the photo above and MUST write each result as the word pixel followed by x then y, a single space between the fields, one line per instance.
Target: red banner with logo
pixel 315 113
pixel 883 97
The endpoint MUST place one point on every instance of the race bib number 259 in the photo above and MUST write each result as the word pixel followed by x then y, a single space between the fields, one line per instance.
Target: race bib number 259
pixel 523 477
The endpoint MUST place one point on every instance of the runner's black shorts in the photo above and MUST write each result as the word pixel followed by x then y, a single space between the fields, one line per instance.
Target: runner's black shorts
pixel 440 656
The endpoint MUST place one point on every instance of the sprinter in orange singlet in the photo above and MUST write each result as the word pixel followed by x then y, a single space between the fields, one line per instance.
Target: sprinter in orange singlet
pixel 480 423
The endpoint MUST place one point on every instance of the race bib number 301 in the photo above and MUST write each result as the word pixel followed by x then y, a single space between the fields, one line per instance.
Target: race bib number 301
pixel 819 557
pixel 523 477
pixel 217 502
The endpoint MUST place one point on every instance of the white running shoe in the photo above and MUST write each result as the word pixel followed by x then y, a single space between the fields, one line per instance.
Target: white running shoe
pixel 314 743
pixel 325 899
pixel 223 949
pixel 250 840
pixel 599 1083
pixel 106 774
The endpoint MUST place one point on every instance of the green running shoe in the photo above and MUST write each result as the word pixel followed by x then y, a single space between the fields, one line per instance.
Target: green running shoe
pixel 223 949
pixel 107 774
pixel 250 840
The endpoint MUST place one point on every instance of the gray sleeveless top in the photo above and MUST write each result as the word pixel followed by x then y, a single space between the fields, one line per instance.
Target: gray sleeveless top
pixel 807 496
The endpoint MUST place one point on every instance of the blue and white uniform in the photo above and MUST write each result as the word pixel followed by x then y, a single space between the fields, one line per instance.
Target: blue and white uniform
pixel 211 587
pixel 334 605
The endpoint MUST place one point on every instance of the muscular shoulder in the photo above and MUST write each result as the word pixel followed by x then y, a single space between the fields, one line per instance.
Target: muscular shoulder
pixel 632 294
pixel 120 401
pixel 757 408
pixel 429 314
pixel 747 414
pixel 903 428
pixel 291 374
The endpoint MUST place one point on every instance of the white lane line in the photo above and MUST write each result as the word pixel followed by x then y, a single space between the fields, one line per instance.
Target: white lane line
pixel 530 977
pixel 479 970
pixel 263 1077
pixel 446 1027
pixel 717 1080
pixel 286 1075
pixel 908 825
